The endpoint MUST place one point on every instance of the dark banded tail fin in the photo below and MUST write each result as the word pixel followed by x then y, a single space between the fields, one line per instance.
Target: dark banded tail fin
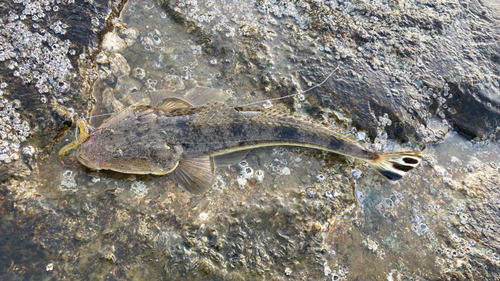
pixel 394 165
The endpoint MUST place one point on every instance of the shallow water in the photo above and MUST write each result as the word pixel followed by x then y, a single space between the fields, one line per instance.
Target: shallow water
pixel 314 216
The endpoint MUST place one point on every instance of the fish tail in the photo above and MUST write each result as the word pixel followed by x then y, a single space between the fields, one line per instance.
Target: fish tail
pixel 395 165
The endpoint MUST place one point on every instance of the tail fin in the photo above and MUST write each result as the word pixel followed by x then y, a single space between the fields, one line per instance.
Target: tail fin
pixel 394 165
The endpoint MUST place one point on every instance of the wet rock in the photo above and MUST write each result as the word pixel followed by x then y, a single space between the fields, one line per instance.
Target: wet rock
pixel 63 119
pixel 126 86
pixel 101 58
pixel 118 65
pixel 108 254
pixel 14 169
pixel 62 116
pixel 138 73
pixel 130 35
pixel 474 111
pixel 172 83
pixel 380 70
pixel 110 102
pixel 290 222
pixel 112 43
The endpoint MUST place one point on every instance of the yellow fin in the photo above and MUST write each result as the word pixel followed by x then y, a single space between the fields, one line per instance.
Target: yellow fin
pixel 82 137
pixel 68 147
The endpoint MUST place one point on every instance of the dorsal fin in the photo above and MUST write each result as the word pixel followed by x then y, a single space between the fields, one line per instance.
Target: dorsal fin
pixel 279 115
pixel 198 96
pixel 218 113
pixel 169 104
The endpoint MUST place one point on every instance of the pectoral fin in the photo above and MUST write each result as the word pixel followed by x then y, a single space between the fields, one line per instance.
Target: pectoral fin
pixel 195 174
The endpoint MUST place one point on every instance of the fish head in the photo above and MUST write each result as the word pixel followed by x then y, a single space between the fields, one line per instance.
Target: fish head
pixel 115 151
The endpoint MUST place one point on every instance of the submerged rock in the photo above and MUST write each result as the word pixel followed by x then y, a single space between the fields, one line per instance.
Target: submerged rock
pixel 395 59
pixel 404 70
pixel 14 169
pixel 112 43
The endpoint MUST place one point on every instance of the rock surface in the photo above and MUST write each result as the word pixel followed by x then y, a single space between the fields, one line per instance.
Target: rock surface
pixel 402 59
pixel 402 73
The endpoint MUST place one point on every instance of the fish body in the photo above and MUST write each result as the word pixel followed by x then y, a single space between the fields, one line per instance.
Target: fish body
pixel 178 139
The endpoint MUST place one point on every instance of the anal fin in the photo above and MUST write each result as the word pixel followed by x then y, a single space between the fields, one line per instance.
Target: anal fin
pixel 195 174
pixel 229 159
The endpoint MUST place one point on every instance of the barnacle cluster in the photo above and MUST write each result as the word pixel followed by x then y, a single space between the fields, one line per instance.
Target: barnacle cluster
pixel 248 174
pixel 120 84
pixel 342 19
pixel 304 219
pixel 33 53
pixel 13 131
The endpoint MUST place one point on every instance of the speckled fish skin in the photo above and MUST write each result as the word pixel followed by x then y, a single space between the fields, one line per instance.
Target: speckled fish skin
pixel 176 138
pixel 147 140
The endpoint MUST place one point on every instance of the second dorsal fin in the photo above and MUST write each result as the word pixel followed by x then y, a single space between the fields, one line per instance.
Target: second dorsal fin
pixel 218 113
pixel 279 115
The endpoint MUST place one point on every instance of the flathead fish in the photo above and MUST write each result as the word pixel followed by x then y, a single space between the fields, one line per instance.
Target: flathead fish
pixel 179 139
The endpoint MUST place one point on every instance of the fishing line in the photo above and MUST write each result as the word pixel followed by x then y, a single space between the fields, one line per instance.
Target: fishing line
pixel 291 95
pixel 100 115
pixel 252 103
pixel 90 127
